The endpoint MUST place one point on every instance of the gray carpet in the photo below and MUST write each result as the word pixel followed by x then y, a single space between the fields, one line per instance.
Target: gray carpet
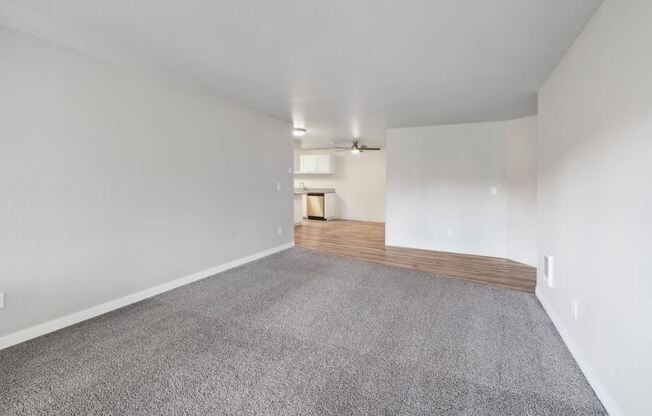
pixel 305 333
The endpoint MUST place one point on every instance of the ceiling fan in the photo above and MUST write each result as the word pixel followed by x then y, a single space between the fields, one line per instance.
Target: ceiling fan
pixel 356 147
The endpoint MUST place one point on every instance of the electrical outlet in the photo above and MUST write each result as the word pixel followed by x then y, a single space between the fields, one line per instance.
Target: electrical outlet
pixel 2 300
pixel 575 309
pixel 279 230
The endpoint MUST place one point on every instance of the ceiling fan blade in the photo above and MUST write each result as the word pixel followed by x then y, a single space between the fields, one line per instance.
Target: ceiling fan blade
pixel 370 148
pixel 343 150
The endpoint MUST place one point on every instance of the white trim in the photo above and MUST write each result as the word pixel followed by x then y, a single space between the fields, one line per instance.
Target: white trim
pixel 76 317
pixel 593 379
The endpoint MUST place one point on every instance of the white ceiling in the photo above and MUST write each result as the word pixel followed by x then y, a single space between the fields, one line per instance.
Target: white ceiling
pixel 342 68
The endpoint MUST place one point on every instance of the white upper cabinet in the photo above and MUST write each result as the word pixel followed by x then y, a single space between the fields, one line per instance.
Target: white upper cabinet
pixel 316 164
pixel 308 164
pixel 324 164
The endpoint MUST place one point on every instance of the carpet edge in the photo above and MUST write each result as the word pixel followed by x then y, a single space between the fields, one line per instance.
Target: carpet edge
pixel 38 330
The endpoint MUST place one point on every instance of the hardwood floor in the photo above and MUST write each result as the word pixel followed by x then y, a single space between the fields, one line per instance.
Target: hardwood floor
pixel 366 241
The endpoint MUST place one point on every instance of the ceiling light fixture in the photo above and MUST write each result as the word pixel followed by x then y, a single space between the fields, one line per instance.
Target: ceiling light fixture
pixel 299 132
pixel 355 150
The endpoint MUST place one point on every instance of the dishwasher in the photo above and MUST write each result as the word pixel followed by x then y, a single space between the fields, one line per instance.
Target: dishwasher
pixel 315 205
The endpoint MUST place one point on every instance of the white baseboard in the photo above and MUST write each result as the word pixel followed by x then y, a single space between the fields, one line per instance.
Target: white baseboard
pixel 74 318
pixel 597 385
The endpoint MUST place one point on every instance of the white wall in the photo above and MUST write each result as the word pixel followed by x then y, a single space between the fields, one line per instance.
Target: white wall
pixel 359 182
pixel 439 188
pixel 113 181
pixel 595 201
pixel 521 181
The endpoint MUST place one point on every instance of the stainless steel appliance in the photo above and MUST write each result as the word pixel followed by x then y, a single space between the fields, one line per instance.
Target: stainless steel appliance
pixel 315 205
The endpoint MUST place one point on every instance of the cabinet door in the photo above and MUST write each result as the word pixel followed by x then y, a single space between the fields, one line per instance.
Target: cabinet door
pixel 308 164
pixel 330 206
pixel 323 163
pixel 298 209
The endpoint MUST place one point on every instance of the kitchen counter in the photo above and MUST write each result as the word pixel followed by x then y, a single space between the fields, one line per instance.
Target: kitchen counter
pixel 302 191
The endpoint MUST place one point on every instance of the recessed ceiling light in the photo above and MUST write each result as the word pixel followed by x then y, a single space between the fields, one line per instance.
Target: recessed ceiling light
pixel 299 131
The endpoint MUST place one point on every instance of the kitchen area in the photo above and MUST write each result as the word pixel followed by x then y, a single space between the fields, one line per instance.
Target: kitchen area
pixel 332 184
pixel 311 202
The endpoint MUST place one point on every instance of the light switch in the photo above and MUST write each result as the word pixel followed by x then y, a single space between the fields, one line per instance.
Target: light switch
pixel 494 190
pixel 575 309
pixel 2 300
pixel 549 270
pixel 278 186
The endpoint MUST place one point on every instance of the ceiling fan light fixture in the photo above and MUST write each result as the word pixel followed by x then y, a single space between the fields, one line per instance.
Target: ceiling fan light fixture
pixel 299 132
pixel 355 150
